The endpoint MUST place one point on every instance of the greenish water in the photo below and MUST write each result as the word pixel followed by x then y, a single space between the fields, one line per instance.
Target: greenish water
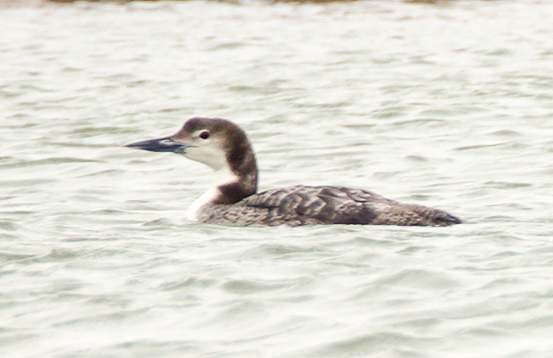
pixel 444 105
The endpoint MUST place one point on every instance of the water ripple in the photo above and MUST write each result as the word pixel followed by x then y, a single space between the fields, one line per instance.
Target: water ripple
pixel 97 259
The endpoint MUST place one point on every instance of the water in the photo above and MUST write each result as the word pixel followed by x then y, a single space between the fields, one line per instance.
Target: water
pixel 448 105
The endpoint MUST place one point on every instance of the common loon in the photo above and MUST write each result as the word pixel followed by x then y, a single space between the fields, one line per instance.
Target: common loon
pixel 224 146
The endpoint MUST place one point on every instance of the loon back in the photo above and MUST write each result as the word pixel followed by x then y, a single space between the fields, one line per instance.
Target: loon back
pixel 224 147
pixel 308 205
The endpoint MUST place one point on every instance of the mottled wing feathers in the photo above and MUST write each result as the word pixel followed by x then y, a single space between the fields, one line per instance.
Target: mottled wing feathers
pixel 330 205
pixel 300 205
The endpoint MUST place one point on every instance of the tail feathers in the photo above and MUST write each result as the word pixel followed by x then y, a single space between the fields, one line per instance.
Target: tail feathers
pixel 441 218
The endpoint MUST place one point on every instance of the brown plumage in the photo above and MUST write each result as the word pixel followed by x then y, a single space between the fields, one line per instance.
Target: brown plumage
pixel 224 146
pixel 308 205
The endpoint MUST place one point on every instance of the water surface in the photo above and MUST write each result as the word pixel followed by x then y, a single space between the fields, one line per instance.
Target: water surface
pixel 445 105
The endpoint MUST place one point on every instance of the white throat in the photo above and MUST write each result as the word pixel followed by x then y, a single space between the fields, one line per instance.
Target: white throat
pixel 223 176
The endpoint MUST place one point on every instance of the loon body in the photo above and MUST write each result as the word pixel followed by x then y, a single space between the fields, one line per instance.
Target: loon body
pixel 223 146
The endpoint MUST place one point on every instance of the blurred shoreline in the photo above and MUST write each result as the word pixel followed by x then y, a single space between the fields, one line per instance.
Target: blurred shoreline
pixel 20 3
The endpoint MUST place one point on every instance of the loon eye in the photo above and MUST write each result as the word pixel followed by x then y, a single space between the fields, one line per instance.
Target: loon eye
pixel 204 135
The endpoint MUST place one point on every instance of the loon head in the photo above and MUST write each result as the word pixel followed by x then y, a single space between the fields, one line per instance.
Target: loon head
pixel 219 144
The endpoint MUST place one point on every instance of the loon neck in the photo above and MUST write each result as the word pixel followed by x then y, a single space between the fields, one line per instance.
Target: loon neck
pixel 236 173
pixel 231 187
pixel 228 189
pixel 235 180
pixel 238 179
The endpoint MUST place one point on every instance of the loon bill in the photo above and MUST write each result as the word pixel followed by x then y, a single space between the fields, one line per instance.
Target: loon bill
pixel 223 146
